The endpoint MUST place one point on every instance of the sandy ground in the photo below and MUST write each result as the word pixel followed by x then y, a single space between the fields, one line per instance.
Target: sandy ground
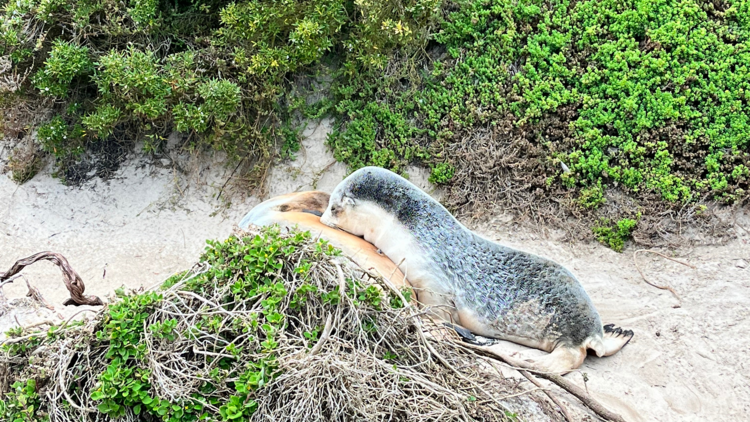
pixel 684 364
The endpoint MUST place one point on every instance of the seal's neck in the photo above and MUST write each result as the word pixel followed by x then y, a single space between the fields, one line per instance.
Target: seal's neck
pixel 384 230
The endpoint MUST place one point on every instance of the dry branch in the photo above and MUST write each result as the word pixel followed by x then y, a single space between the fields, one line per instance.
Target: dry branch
pixel 554 399
pixel 635 254
pixel 72 280
pixel 561 382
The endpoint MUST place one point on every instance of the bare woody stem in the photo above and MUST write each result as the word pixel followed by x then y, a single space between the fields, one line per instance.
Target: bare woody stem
pixel 72 280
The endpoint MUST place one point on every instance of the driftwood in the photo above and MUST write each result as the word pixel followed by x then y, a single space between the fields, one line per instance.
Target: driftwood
pixel 72 280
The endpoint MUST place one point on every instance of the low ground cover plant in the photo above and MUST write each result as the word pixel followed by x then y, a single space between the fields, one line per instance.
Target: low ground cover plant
pixel 658 89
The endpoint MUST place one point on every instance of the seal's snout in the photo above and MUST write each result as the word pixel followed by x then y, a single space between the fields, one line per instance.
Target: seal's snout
pixel 327 218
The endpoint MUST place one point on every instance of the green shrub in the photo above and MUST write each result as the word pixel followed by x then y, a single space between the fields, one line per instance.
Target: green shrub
pixel 22 403
pixel 229 321
pixel 103 120
pixel 271 38
pixel 60 139
pixel 217 71
pixel 65 62
pixel 658 88
pixel 221 98
pixel 143 12
pixel 615 236
pixel 133 79
pixel 189 117
pixel 125 383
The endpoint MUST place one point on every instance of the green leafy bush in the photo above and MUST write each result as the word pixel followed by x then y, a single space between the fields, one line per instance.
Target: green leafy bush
pixel 615 235
pixel 221 98
pixel 103 120
pixel 658 90
pixel 22 403
pixel 255 304
pixel 60 139
pixel 217 71
pixel 65 62
pixel 125 384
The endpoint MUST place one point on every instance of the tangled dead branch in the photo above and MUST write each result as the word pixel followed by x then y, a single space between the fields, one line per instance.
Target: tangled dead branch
pixel 72 280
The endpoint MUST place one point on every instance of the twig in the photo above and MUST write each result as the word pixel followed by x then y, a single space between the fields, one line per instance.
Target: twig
pixel 342 280
pixel 435 353
pixel 531 390
pixel 64 388
pixel 45 322
pixel 324 337
pixel 554 399
pixel 35 294
pixel 566 385
pixel 635 261
pixel 10 280
pixel 70 318
pixel 72 280
pixel 20 339
pixel 492 361
pixel 229 178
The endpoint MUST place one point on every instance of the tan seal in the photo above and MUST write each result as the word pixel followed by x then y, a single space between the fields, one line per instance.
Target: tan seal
pixel 303 210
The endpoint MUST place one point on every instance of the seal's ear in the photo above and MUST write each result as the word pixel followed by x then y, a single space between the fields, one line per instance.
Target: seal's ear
pixel 347 201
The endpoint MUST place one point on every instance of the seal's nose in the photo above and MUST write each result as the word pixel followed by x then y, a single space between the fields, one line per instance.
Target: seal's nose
pixel 327 219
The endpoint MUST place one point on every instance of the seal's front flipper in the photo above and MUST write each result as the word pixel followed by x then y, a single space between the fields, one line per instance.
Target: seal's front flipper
pixel 469 337
pixel 615 338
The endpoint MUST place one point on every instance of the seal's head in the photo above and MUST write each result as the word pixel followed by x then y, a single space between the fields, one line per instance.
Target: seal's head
pixel 370 197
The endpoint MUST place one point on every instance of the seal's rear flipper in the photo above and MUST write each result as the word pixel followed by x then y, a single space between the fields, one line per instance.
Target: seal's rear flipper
pixel 561 361
pixel 469 337
pixel 615 338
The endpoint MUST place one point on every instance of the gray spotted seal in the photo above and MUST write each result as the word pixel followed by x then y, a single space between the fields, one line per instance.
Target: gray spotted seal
pixel 492 290
pixel 303 210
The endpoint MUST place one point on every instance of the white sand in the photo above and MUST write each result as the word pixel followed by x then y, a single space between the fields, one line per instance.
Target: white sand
pixel 684 364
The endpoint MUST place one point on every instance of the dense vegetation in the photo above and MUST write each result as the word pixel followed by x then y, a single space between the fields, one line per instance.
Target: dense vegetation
pixel 246 306
pixel 267 326
pixel 659 91
pixel 214 70
pixel 647 96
